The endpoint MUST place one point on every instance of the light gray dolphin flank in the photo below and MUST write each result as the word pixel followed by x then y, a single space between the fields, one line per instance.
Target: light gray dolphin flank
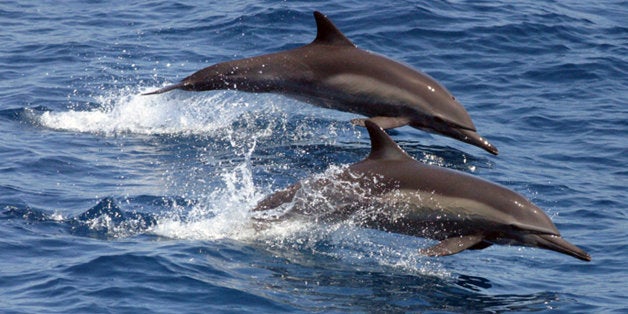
pixel 391 191
pixel 331 72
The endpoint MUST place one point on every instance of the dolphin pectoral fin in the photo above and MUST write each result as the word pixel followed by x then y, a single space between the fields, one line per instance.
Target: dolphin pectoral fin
pixel 454 245
pixel 480 246
pixel 384 122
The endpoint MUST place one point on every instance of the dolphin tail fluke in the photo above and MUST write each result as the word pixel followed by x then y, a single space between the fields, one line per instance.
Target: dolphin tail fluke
pixel 165 89
pixel 558 244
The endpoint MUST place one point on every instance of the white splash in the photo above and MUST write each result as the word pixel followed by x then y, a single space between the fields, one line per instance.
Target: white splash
pixel 126 111
pixel 220 213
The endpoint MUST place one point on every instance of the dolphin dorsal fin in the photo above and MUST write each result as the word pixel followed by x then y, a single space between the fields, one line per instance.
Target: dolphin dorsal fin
pixel 327 33
pixel 382 146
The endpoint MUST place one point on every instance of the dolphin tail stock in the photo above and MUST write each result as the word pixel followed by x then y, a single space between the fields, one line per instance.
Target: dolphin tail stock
pixel 165 89
pixel 558 244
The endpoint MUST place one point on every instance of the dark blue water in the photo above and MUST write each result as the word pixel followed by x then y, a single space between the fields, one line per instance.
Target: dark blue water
pixel 114 202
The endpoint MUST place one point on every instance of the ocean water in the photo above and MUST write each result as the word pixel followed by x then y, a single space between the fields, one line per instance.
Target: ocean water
pixel 112 202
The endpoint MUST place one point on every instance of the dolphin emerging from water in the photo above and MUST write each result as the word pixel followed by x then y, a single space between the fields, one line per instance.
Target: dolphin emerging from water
pixel 331 72
pixel 391 191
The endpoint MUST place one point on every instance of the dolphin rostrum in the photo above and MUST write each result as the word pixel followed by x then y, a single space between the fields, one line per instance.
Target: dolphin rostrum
pixel 331 72
pixel 391 191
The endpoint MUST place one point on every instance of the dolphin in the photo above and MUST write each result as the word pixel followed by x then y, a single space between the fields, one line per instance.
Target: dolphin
pixel 391 191
pixel 331 72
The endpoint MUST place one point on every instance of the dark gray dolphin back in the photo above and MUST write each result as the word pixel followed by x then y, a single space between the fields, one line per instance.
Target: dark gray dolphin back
pixel 459 210
pixel 331 72
pixel 526 223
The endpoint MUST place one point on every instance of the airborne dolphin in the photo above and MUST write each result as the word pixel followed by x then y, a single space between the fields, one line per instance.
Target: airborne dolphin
pixel 391 191
pixel 331 72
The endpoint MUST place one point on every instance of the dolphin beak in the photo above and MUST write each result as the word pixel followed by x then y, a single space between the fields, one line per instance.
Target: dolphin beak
pixel 558 244
pixel 474 138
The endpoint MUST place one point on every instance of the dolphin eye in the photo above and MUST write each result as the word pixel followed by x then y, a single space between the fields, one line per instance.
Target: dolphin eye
pixel 452 97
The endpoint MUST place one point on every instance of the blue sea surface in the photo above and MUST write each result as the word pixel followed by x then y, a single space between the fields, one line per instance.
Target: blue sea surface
pixel 112 202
